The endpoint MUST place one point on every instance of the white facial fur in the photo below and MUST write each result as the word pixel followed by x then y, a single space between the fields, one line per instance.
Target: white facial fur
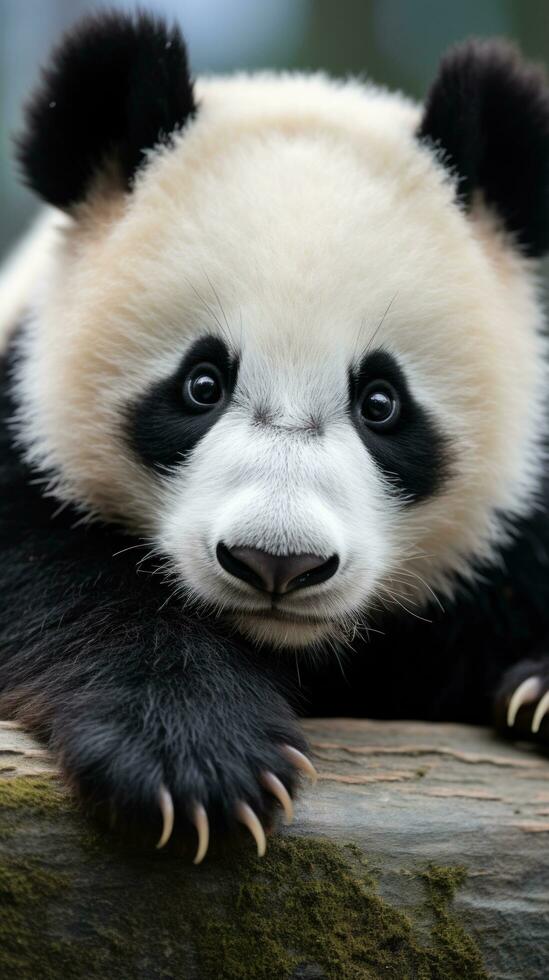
pixel 300 220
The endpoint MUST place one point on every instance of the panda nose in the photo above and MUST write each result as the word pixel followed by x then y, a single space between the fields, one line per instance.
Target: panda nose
pixel 276 574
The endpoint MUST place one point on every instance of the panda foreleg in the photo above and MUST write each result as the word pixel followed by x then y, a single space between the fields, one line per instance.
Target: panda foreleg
pixel 160 741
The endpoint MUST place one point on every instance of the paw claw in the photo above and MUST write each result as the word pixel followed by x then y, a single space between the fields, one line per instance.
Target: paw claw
pixel 246 815
pixel 165 803
pixel 527 691
pixel 540 712
pixel 200 820
pixel 274 785
pixel 300 761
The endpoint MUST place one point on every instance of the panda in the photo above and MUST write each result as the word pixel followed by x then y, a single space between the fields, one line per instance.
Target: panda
pixel 273 419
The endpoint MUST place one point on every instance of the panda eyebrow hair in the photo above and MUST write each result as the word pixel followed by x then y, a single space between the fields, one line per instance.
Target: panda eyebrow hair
pixel 224 330
pixel 376 331
pixel 219 303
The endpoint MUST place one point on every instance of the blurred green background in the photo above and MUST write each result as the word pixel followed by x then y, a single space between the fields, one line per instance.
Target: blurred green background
pixel 396 42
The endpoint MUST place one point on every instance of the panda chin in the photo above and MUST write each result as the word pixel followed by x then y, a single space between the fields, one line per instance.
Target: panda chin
pixel 285 631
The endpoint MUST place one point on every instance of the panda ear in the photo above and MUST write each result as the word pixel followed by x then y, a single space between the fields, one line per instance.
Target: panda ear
pixel 116 85
pixel 487 115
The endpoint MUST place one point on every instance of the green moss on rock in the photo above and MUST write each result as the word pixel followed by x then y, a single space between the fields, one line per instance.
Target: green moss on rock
pixel 312 902
pixel 44 794
pixel 455 949
pixel 73 906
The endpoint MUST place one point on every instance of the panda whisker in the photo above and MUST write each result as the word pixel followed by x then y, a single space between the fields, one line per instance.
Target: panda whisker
pixel 167 600
pixel 150 554
pixel 398 600
pixel 338 658
pixel 131 547
pixel 420 556
pixel 59 510
pixel 361 628
pixel 394 580
pixel 417 556
pixel 297 669
pixel 166 568
pixel 432 593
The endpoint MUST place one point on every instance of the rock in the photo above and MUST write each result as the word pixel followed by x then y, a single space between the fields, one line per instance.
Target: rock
pixel 422 852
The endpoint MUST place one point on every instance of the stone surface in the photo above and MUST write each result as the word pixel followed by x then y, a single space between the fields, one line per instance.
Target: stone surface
pixel 411 792
pixel 414 800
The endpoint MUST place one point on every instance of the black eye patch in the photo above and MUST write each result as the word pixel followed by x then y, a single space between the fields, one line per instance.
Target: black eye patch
pixel 167 422
pixel 412 452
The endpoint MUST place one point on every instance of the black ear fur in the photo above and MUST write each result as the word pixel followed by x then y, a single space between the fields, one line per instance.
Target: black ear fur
pixel 115 86
pixel 488 115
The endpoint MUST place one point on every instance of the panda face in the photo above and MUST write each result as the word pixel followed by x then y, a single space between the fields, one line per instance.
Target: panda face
pixel 273 452
pixel 291 361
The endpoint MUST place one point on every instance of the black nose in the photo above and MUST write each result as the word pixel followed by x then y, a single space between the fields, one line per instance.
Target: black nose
pixel 277 574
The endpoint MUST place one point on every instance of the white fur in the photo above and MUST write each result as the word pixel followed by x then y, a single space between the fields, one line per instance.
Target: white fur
pixel 24 273
pixel 300 219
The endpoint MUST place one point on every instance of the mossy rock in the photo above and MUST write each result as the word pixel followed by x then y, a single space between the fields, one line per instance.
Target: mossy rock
pixel 385 874
pixel 79 907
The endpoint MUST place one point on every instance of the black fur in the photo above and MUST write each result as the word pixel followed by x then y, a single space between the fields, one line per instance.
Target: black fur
pixel 129 689
pixel 127 686
pixel 132 691
pixel 161 429
pixel 488 114
pixel 415 454
pixel 458 662
pixel 116 86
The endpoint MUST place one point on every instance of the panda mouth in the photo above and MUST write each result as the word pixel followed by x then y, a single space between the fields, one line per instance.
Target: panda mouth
pixel 283 617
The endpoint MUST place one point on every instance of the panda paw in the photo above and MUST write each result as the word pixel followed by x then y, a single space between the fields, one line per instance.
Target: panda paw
pixel 243 812
pixel 522 702
pixel 152 786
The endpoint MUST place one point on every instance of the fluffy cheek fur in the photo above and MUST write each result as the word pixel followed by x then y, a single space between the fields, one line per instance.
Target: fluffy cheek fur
pixel 306 232
pixel 283 490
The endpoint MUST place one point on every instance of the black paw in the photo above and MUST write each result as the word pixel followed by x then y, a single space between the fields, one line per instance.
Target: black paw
pixel 522 702
pixel 154 775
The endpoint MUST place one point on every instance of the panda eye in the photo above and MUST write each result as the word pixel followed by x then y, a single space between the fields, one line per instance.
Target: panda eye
pixel 203 388
pixel 380 406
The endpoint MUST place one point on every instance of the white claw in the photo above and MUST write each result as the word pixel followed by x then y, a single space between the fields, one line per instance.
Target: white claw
pixel 246 815
pixel 525 692
pixel 540 712
pixel 300 761
pixel 273 784
pixel 165 803
pixel 200 820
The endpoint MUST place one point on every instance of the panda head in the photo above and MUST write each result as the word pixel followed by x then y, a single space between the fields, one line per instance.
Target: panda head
pixel 292 334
